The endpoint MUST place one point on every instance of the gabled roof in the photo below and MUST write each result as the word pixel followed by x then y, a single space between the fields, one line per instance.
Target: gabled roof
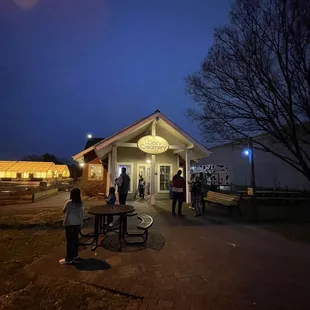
pixel 61 168
pixel 136 125
pixel 27 166
pixel 91 142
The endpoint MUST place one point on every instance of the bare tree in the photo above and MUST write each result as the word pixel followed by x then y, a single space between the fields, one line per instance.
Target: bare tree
pixel 256 79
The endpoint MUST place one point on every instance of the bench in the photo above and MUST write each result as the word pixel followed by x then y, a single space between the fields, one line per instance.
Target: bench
pixel 80 230
pixel 132 213
pixel 225 200
pixel 145 224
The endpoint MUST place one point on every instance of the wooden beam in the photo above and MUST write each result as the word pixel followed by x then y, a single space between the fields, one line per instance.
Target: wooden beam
pixel 178 151
pixel 125 144
pixel 177 147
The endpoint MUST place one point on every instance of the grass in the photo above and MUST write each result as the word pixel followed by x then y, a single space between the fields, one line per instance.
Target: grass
pixel 24 237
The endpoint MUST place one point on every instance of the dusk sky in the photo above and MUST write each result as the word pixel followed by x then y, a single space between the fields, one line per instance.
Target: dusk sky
pixel 72 67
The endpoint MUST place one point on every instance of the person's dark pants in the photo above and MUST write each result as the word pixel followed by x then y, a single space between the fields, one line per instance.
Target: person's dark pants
pixel 141 191
pixel 122 199
pixel 203 202
pixel 177 197
pixel 72 237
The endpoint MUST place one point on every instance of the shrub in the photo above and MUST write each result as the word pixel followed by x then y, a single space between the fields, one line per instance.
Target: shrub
pixel 92 188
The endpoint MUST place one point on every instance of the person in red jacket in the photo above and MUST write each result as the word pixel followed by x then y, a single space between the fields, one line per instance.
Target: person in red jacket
pixel 178 188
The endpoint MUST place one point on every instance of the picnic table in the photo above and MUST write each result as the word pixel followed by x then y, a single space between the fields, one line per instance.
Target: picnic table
pixel 101 212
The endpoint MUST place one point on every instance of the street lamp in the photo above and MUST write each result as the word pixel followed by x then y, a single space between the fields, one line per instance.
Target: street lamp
pixel 249 152
pixel 89 136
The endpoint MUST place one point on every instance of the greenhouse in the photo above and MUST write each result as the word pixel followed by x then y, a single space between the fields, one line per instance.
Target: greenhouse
pixel 62 171
pixel 32 170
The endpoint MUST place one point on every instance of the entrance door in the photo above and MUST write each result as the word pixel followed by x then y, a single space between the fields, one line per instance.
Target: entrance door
pixel 144 171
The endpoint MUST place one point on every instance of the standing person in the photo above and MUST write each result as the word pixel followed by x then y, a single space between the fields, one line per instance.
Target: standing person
pixel 196 194
pixel 190 183
pixel 111 201
pixel 123 183
pixel 204 186
pixel 179 186
pixel 141 187
pixel 73 221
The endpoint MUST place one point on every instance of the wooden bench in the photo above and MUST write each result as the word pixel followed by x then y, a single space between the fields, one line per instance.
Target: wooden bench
pixel 225 200
pixel 145 224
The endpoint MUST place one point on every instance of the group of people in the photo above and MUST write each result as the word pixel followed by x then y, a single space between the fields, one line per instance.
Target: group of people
pixel 198 188
pixel 74 215
pixel 74 208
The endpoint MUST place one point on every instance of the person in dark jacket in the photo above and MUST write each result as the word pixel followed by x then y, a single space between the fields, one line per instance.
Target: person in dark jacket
pixel 196 195
pixel 178 188
pixel 204 186
pixel 123 183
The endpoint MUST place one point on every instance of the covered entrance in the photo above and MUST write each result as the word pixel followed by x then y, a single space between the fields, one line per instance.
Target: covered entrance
pixel 144 171
pixel 154 148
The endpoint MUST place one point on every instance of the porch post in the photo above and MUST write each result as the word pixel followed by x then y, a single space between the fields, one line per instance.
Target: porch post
pixel 178 163
pixel 187 167
pixel 114 165
pixel 109 180
pixel 153 168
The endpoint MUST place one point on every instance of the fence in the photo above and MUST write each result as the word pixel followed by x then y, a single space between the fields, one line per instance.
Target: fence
pixel 44 194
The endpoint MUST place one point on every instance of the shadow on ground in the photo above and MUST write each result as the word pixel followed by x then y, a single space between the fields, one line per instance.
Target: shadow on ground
pixel 92 264
pixel 155 241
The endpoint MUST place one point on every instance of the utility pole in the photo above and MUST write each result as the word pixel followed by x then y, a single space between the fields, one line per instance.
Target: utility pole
pixel 253 185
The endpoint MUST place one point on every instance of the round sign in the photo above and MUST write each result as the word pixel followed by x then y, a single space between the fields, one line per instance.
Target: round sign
pixel 153 145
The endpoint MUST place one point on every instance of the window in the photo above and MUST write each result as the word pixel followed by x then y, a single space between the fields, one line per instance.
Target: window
pixel 164 177
pixel 129 169
pixel 95 172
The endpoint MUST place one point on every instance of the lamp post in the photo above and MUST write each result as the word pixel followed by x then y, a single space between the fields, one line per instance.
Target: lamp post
pixel 249 152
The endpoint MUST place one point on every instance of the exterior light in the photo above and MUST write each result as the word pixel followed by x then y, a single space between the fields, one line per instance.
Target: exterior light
pixel 148 161
pixel 246 152
pixel 89 136
pixel 82 164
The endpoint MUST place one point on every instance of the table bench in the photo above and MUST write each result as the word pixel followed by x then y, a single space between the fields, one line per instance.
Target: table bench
pixel 145 224
pixel 89 235
pixel 225 200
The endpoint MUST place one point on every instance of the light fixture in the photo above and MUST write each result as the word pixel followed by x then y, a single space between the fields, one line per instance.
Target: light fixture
pixel 82 164
pixel 148 161
pixel 246 152
pixel 89 136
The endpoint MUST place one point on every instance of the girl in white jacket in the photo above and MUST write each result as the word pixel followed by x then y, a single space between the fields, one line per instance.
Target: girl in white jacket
pixel 73 221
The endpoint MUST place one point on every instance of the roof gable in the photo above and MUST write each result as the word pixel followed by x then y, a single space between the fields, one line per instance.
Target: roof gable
pixel 138 127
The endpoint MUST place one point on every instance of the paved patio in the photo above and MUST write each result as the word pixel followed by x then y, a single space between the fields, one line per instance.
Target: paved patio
pixel 201 266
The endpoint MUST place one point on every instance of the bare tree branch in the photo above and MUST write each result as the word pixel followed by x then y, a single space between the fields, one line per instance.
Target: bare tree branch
pixel 256 79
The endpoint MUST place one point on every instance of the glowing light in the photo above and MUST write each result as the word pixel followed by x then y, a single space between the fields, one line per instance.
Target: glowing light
pixel 247 152
pixel 82 164
pixel 89 136
pixel 148 161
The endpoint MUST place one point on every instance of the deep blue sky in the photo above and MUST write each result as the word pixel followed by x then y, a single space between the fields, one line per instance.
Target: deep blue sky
pixel 69 67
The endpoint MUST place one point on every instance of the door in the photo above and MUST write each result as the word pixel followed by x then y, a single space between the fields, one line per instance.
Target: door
pixel 144 171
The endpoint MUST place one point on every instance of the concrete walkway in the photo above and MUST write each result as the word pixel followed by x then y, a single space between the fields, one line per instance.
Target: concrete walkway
pixel 201 266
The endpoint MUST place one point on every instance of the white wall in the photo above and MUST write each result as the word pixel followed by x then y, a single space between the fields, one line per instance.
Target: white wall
pixel 269 170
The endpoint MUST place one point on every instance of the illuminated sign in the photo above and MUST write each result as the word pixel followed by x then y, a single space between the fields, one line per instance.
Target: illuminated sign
pixel 153 145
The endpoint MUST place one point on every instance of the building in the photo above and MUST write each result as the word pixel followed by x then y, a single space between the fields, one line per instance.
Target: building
pixel 270 171
pixel 153 147
pixel 29 170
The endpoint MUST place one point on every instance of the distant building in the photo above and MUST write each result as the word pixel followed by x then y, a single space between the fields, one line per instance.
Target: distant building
pixel 32 170
pixel 153 147
pixel 270 171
